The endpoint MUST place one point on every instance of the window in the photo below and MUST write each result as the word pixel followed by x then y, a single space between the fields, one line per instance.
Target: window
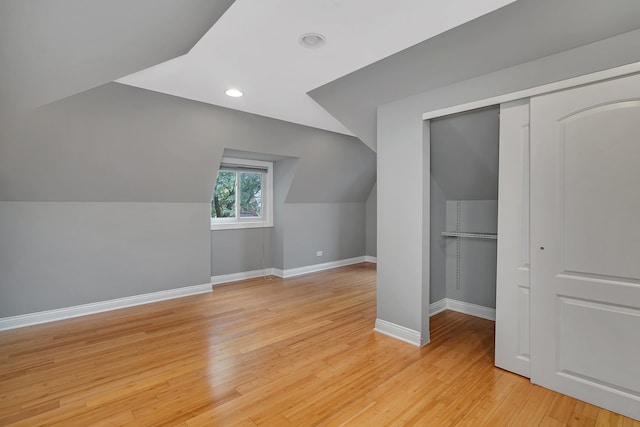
pixel 242 197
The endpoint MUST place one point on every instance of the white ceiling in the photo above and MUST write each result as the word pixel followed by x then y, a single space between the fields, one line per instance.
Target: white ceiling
pixel 254 47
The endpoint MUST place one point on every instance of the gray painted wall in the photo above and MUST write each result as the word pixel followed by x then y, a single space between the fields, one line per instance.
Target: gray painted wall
pixel 401 159
pixel 60 254
pixel 283 175
pixel 234 251
pixel 464 166
pixel 371 222
pixel 475 279
pixel 464 154
pixel 139 155
pixel 437 244
pixel 336 229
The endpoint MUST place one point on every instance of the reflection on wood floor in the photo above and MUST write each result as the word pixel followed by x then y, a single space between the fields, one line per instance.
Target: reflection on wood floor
pixel 298 351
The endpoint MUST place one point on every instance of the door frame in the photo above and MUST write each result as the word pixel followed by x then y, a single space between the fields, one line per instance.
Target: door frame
pixel 585 79
pixel 538 90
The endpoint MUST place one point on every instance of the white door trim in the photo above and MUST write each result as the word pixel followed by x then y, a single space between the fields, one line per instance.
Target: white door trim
pixel 538 90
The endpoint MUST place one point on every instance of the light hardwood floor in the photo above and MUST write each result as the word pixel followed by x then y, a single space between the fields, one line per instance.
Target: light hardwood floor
pixel 298 351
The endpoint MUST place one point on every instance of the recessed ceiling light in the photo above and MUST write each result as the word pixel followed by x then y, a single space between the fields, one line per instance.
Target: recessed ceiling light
pixel 234 93
pixel 312 40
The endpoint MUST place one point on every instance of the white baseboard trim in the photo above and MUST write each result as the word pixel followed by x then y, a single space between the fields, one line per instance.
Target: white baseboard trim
pixel 290 272
pixel 277 272
pixel 373 259
pixel 462 307
pixel 398 332
pixel 413 337
pixel 99 307
pixel 437 307
pixel 244 275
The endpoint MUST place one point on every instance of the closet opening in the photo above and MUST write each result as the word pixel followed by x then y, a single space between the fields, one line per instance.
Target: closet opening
pixel 464 212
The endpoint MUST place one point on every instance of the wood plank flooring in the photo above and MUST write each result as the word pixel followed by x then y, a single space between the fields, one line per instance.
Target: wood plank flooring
pixel 298 351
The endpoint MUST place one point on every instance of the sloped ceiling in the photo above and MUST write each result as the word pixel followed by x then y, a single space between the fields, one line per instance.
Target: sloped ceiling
pixel 254 47
pixel 51 49
pixel 519 32
pixel 118 143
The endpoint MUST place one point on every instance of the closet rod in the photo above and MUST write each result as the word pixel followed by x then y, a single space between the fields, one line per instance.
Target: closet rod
pixel 490 236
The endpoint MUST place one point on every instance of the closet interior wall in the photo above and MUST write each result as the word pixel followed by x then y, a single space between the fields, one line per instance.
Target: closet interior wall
pixel 464 167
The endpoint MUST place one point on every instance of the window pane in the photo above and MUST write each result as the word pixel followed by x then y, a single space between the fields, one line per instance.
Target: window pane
pixel 250 194
pixel 223 204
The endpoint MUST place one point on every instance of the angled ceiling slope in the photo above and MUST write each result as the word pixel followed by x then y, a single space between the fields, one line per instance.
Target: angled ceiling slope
pixel 50 50
pixel 254 47
pixel 517 33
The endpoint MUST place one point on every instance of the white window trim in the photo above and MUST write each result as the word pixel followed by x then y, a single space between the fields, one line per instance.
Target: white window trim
pixel 267 199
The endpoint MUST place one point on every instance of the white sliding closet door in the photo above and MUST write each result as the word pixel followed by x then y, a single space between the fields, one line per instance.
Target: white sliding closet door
pixel 512 279
pixel 585 236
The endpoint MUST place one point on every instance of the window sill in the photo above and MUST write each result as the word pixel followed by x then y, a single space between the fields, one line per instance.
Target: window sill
pixel 238 225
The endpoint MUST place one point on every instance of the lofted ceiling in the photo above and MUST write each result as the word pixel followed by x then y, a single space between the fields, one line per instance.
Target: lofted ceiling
pixel 254 47
pixel 52 49
pixel 520 32
pixel 377 51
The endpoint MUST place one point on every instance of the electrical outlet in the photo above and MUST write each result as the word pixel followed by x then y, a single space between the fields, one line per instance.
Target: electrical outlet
pixel 319 253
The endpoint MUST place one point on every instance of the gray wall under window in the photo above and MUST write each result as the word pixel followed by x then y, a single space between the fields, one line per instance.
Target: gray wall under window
pixel 336 229
pixel 245 249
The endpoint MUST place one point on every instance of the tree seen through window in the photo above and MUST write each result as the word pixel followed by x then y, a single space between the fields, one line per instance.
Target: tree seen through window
pixel 225 195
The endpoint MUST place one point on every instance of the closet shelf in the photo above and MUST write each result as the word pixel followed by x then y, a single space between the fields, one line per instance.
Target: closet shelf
pixel 490 236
